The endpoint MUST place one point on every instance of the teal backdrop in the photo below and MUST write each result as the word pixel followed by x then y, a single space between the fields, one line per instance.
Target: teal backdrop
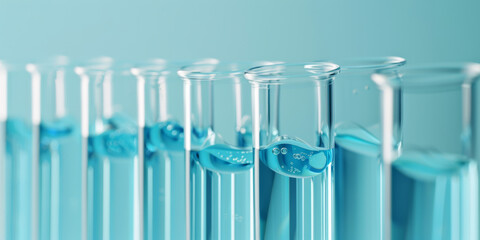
pixel 241 30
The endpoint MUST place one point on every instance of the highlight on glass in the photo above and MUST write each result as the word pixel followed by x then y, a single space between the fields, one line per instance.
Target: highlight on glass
pixel 357 164
pixel 430 151
pixel 293 149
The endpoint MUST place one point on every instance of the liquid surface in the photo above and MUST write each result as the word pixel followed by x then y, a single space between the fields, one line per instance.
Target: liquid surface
pixel 357 183
pixel 58 128
pixel 119 139
pixel 224 158
pixel 166 135
pixel 435 196
pixel 294 158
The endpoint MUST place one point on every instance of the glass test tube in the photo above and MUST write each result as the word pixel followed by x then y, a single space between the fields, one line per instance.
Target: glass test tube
pixel 430 168
pixel 357 165
pixel 293 149
pixel 218 151
pixel 56 149
pixel 109 131
pixel 18 192
pixel 161 147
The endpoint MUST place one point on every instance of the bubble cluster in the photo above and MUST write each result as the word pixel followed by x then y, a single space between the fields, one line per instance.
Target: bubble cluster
pixel 293 170
pixel 119 143
pixel 172 129
pixel 301 156
pixel 294 158
pixel 275 151
pixel 240 157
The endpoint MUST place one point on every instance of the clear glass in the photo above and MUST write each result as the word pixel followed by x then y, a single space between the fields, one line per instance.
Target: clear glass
pixel 18 189
pixel 430 168
pixel 218 149
pixel 161 142
pixel 56 149
pixel 357 165
pixel 293 149
pixel 112 171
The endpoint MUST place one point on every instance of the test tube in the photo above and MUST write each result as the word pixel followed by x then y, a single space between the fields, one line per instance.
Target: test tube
pixel 219 156
pixel 357 165
pixel 111 167
pixel 293 148
pixel 18 198
pixel 56 149
pixel 428 151
pixel 161 148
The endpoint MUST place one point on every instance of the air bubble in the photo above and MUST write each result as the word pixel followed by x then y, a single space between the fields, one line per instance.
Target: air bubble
pixel 276 151
pixel 284 151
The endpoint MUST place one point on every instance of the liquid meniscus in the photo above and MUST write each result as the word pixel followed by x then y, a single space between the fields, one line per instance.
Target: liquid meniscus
pixel 294 158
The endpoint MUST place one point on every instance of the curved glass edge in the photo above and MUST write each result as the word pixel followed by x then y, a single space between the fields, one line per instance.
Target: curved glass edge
pixel 428 77
pixel 280 73
pixel 373 63
pixel 219 70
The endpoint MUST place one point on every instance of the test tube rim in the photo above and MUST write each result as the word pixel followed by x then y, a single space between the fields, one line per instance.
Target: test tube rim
pixel 371 63
pixel 327 71
pixel 221 70
pixel 445 76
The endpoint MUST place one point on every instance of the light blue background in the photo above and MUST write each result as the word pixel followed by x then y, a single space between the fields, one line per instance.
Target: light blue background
pixel 241 30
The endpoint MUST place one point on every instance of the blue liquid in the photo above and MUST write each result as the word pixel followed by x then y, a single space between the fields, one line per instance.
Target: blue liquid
pixel 164 182
pixel 112 156
pixel 222 191
pixel 295 190
pixel 225 158
pixel 18 180
pixel 60 180
pixel 357 184
pixel 435 196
